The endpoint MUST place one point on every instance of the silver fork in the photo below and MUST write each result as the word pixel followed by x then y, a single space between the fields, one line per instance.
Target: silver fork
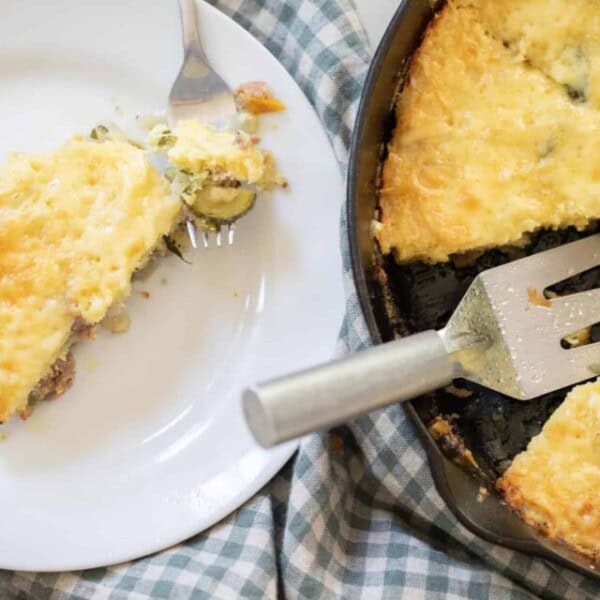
pixel 199 93
pixel 504 335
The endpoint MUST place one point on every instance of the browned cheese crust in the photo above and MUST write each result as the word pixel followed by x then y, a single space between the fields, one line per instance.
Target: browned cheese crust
pixel 496 133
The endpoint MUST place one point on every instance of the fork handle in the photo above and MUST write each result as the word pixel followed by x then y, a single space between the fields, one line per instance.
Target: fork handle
pixel 189 25
pixel 334 393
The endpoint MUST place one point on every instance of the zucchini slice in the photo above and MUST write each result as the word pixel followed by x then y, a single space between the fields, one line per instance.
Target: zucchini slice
pixel 222 205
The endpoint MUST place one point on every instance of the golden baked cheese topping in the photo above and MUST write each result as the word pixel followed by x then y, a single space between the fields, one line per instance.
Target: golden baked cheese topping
pixel 561 38
pixel 199 148
pixel 74 225
pixel 498 131
pixel 555 483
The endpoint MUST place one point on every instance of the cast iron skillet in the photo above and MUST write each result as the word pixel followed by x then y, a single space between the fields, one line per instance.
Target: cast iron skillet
pixel 490 518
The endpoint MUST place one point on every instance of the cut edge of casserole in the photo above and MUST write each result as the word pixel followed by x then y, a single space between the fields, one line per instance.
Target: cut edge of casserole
pixel 554 485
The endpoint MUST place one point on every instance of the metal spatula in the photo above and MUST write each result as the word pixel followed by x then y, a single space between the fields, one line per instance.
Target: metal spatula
pixel 504 335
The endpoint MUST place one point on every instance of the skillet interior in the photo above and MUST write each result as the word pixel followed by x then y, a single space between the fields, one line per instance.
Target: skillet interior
pixel 399 300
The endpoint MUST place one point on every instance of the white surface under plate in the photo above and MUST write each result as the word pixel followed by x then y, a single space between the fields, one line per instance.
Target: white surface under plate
pixel 149 446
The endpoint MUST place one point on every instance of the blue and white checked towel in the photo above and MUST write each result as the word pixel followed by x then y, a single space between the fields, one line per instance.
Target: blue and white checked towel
pixel 355 513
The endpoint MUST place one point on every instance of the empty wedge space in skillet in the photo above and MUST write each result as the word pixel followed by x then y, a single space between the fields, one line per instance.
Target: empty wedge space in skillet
pixel 74 226
pixel 492 143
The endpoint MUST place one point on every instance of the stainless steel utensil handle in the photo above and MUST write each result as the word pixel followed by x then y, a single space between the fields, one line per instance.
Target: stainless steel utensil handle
pixel 189 24
pixel 319 398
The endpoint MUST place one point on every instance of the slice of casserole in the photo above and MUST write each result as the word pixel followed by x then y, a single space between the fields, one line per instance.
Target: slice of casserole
pixel 74 226
pixel 555 483
pixel 498 129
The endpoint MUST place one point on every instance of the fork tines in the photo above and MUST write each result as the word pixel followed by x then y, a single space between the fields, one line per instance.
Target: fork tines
pixel 223 235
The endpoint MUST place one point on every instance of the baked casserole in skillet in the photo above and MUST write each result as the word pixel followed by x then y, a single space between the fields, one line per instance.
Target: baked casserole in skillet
pixel 495 156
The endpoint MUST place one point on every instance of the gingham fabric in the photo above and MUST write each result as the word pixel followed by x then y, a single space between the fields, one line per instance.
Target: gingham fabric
pixel 354 514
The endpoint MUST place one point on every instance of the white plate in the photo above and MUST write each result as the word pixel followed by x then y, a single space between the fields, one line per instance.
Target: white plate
pixel 149 446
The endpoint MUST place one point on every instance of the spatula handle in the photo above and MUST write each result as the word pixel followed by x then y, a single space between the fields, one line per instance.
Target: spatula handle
pixel 325 396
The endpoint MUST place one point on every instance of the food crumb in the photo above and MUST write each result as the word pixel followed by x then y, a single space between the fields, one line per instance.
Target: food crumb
pixel 144 294
pixel 91 363
pixel 582 337
pixel 3 436
pixel 25 413
pixel 337 443
pixel 536 297
pixel 257 98
pixel 459 392
pixel 483 494
pixel 118 323
pixel 440 427
pixel 163 280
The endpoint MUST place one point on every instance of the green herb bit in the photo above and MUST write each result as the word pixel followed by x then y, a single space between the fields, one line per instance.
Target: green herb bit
pixel 99 133
pixel 174 248
pixel 170 174
pixel 166 139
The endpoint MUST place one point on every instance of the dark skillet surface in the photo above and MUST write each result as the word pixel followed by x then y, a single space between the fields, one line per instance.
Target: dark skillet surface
pixel 397 300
